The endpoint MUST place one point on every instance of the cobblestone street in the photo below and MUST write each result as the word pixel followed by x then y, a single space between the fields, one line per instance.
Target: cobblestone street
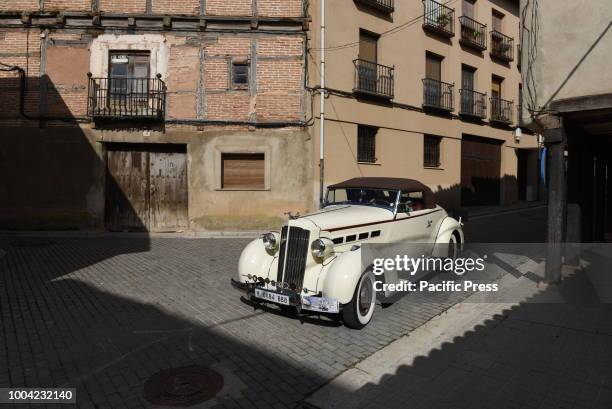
pixel 105 314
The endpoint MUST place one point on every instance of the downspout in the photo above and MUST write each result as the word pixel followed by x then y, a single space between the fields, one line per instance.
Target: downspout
pixel 322 107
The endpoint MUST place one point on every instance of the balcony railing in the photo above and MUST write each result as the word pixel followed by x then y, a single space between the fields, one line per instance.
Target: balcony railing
pixel 438 18
pixel 501 110
pixel 473 103
pixel 126 98
pixel 386 6
pixel 373 79
pixel 502 46
pixel 473 33
pixel 437 94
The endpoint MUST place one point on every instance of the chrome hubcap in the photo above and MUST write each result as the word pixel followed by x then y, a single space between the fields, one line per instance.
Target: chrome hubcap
pixel 365 296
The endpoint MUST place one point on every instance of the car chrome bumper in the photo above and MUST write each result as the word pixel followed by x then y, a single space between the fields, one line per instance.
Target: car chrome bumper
pixel 311 303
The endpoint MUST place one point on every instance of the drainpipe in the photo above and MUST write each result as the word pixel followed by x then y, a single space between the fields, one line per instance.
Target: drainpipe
pixel 322 106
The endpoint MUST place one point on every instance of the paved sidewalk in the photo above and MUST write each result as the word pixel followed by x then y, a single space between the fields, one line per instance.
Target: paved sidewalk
pixel 105 314
pixel 543 352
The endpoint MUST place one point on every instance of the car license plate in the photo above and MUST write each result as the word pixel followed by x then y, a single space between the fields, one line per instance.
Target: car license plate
pixel 270 296
pixel 321 304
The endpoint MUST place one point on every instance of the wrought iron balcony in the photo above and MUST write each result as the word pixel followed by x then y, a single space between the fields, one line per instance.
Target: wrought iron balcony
pixel 473 103
pixel 473 34
pixel 386 6
pixel 502 46
pixel 373 79
pixel 501 110
pixel 438 18
pixel 437 94
pixel 126 98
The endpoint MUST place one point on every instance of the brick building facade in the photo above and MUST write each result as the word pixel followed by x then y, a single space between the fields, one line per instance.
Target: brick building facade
pixel 153 114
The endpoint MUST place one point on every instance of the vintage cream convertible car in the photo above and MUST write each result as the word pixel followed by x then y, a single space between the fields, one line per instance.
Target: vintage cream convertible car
pixel 315 261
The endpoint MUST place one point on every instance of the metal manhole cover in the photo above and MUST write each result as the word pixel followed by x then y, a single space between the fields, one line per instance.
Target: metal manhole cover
pixel 183 386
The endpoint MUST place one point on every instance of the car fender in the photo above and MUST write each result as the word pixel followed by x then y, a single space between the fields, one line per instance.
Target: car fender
pixel 448 226
pixel 341 276
pixel 254 260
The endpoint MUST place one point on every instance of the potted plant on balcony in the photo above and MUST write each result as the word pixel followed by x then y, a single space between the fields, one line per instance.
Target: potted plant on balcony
pixel 502 48
pixel 443 20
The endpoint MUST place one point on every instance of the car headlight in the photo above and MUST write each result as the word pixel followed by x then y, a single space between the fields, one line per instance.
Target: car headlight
pixel 321 248
pixel 270 241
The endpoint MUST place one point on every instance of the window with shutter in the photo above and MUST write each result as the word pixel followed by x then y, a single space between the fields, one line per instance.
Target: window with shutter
pixel 243 171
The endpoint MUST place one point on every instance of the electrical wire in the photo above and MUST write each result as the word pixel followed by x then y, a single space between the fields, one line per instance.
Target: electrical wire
pixel 392 30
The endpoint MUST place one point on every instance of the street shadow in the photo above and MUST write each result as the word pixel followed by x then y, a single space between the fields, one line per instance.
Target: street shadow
pixel 551 349
pixel 52 168
pixel 53 173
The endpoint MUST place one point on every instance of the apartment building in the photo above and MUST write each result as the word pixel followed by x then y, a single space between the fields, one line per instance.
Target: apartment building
pixel 153 114
pixel 425 90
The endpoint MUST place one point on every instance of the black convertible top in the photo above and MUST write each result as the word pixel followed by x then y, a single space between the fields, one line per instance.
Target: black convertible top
pixel 405 185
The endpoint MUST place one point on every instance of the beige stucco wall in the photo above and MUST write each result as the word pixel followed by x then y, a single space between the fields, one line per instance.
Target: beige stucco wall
pixel 288 174
pixel 399 146
pixel 566 50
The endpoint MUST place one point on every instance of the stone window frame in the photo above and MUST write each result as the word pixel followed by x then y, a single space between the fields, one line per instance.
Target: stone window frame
pixel 155 44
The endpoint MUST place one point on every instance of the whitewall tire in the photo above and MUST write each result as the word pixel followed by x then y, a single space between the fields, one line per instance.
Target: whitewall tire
pixel 358 312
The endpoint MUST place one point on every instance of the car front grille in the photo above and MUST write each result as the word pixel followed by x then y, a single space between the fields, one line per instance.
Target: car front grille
pixel 295 251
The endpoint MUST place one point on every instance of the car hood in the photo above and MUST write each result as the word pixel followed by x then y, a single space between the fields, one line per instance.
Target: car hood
pixel 336 216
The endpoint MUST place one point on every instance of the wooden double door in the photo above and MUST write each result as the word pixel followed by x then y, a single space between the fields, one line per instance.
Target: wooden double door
pixel 146 187
pixel 480 171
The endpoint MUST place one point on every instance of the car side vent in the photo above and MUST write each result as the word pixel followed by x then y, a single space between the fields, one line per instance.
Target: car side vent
pixel 350 238
pixel 338 240
pixel 375 233
pixel 363 236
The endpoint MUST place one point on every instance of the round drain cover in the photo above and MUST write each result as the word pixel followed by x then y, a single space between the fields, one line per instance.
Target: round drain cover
pixel 183 386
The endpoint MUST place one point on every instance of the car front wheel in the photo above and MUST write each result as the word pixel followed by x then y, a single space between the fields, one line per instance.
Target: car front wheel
pixel 358 312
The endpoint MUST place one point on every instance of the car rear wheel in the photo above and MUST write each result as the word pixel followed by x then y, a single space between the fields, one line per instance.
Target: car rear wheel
pixel 358 312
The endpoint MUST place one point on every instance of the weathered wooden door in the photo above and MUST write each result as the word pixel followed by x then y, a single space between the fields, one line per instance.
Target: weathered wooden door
pixel 480 171
pixel 168 189
pixel 127 205
pixel 146 187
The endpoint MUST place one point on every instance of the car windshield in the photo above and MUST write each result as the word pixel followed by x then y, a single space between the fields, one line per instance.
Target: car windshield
pixel 363 196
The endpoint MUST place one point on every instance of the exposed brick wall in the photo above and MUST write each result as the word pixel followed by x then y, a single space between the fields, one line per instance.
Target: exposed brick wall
pixel 266 8
pixel 183 68
pixel 176 6
pixel 72 5
pixel 229 8
pixel 20 48
pixel 182 81
pixel 230 45
pixel 181 106
pixel 280 8
pixel 276 92
pixel 216 75
pixel 278 107
pixel 228 106
pixel 280 46
pixel 279 77
pixel 21 5
pixel 123 6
